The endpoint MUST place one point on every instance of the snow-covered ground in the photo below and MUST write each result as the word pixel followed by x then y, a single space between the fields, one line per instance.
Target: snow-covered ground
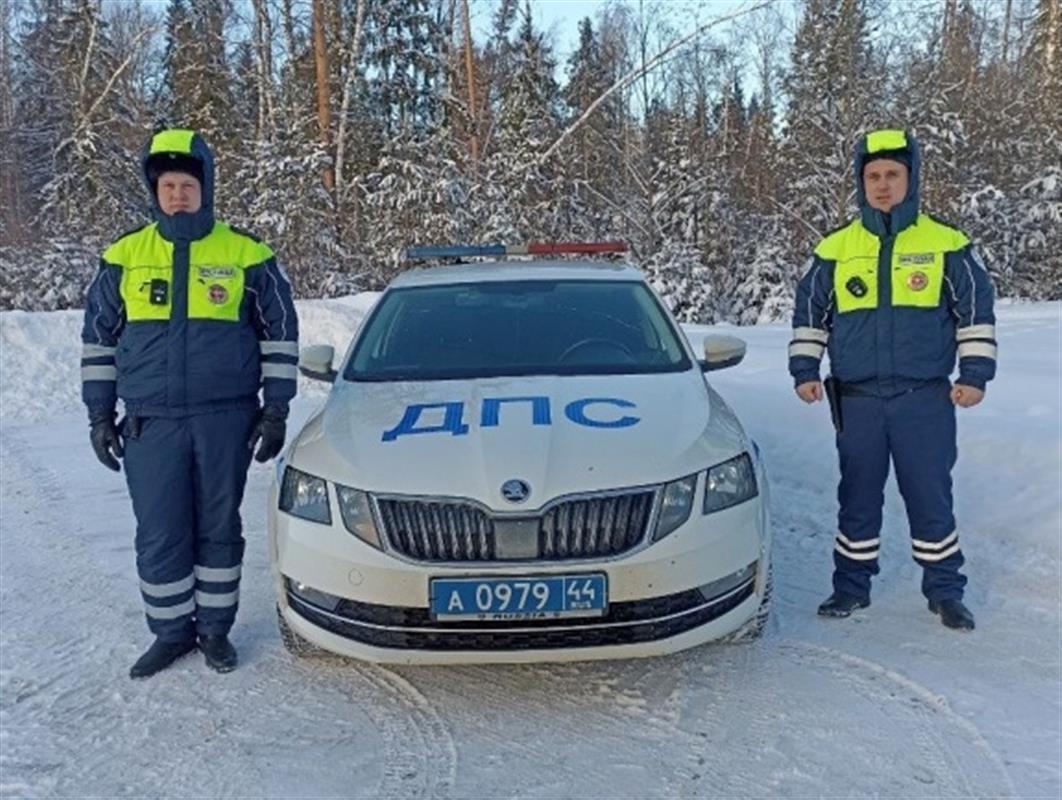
pixel 885 704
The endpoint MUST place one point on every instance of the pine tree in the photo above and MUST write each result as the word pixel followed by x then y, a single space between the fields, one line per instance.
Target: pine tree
pixel 197 92
pixel 833 97
pixel 591 152
pixel 526 198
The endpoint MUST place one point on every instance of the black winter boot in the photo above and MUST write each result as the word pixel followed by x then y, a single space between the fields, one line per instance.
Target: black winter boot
pixel 219 653
pixel 841 604
pixel 159 656
pixel 953 614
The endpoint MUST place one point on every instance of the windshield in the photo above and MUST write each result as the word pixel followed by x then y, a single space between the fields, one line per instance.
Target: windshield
pixel 516 328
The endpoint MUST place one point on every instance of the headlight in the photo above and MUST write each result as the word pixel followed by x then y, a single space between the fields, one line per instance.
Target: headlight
pixel 304 496
pixel 730 483
pixel 356 511
pixel 675 506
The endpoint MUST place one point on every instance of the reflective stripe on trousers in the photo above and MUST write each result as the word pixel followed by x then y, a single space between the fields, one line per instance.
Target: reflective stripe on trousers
pixel 916 431
pixel 186 477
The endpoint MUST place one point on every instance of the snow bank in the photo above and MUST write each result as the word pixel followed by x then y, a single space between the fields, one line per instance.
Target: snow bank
pixel 40 353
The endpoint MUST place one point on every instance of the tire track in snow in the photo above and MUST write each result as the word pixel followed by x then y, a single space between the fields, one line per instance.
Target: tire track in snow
pixel 421 753
pixel 927 704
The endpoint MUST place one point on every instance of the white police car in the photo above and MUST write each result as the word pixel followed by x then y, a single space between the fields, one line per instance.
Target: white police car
pixel 520 462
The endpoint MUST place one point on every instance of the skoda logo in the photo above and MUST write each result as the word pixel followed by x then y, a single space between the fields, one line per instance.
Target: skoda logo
pixel 515 491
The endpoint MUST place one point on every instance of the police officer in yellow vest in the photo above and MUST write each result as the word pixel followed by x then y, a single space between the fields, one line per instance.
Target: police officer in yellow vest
pixel 186 321
pixel 894 296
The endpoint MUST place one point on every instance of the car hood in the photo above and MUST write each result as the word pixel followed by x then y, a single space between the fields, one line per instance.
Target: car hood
pixel 582 433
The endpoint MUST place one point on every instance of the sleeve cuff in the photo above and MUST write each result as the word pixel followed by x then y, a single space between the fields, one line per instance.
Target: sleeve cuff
pixel 100 414
pixel 808 376
pixel 977 383
pixel 275 409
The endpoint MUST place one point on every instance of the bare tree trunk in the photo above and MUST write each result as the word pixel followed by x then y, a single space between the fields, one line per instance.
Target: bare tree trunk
pixel 263 31
pixel 10 199
pixel 470 70
pixel 1053 26
pixel 324 102
pixel 1006 30
pixel 643 51
pixel 349 80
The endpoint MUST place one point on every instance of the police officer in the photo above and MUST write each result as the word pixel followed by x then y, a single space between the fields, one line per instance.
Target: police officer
pixel 893 296
pixel 186 319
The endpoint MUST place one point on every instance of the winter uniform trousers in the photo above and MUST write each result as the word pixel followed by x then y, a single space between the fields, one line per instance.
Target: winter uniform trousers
pixel 186 476
pixel 916 429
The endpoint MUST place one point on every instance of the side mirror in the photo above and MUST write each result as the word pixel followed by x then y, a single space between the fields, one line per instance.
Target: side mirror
pixel 721 352
pixel 315 362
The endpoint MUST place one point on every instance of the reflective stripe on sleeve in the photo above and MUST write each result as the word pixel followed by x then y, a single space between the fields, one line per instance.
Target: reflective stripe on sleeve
pixel 983 349
pixel 97 351
pixel 208 600
pixel 170 612
pixel 284 348
pixel 217 574
pixel 167 589
pixel 806 349
pixel 975 332
pixel 106 372
pixel 815 334
pixel 288 371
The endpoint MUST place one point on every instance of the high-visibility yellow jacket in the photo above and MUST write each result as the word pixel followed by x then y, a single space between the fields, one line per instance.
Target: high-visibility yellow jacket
pixel 188 314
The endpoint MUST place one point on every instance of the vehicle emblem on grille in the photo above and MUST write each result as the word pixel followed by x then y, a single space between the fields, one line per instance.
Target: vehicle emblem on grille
pixel 515 491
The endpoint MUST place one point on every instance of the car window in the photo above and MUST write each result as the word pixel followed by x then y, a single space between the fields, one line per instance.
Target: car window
pixel 516 328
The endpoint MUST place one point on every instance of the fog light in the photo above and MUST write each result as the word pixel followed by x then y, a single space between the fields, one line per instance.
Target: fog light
pixel 727 583
pixel 315 597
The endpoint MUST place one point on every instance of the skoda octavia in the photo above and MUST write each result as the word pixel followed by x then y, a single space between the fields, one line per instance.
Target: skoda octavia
pixel 520 462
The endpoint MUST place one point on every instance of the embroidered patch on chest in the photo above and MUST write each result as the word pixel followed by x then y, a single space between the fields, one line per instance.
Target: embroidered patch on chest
pixel 917 281
pixel 216 273
pixel 915 259
pixel 218 294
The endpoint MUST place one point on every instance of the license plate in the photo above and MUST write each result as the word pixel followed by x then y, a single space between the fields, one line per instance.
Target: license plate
pixel 545 597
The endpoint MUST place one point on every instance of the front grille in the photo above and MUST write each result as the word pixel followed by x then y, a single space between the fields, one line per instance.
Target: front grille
pixel 625 623
pixel 429 531
pixel 589 527
pixel 596 526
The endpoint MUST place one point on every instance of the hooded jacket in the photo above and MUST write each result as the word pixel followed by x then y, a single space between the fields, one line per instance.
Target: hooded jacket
pixel 894 296
pixel 187 314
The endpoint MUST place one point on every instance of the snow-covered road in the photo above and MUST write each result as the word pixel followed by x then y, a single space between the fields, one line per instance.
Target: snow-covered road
pixel 886 704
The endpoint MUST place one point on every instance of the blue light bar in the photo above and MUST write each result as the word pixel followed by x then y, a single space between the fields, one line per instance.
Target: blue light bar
pixel 454 251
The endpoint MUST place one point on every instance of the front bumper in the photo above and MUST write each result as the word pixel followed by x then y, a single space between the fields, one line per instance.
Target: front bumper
pixel 700 583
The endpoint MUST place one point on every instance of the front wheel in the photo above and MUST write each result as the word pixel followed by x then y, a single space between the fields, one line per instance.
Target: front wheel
pixel 755 627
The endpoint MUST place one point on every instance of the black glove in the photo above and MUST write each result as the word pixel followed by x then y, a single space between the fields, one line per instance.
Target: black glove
pixel 270 428
pixel 106 441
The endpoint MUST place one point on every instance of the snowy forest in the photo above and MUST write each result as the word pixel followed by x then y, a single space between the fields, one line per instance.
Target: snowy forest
pixel 715 139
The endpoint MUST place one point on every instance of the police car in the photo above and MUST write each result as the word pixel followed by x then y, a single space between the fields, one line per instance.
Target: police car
pixel 520 461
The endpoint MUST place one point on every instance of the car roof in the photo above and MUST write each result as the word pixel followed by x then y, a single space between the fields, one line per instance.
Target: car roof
pixel 551 270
